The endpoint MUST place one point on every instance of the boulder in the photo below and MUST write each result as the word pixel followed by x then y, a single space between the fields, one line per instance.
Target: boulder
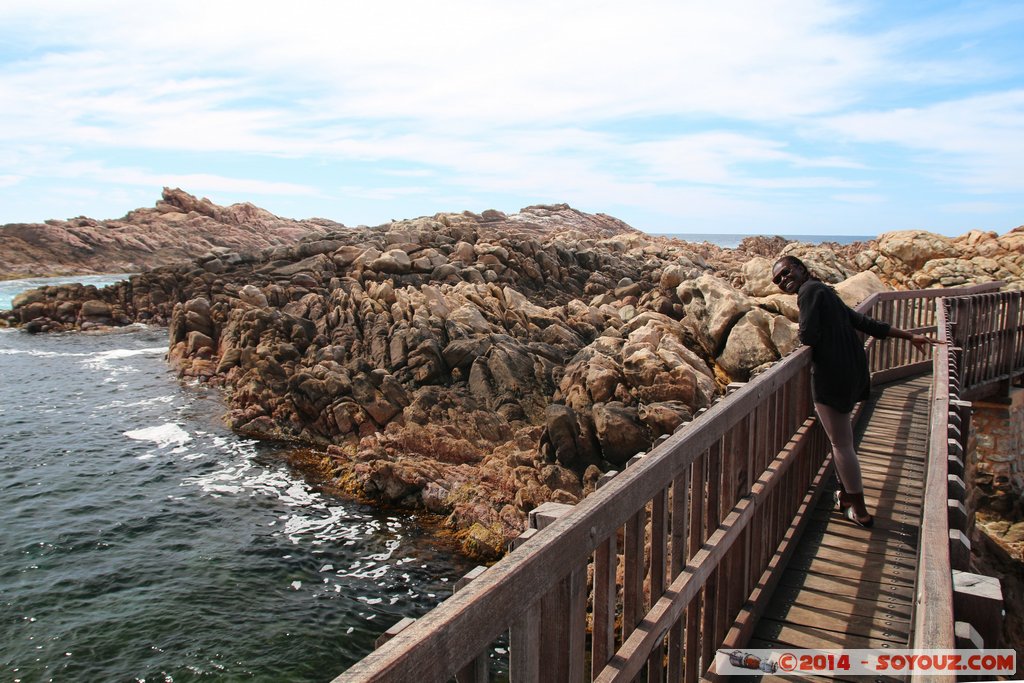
pixel 914 248
pixel 619 432
pixel 757 277
pixel 749 345
pixel 855 289
pixel 95 309
pixel 252 295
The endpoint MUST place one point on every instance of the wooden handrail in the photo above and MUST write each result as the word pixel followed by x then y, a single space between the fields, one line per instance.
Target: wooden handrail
pixel 716 500
pixel 932 624
pixel 982 348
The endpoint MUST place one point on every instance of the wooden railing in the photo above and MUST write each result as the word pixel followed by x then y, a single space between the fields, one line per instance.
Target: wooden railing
pixel 678 542
pixel 683 547
pixel 989 328
pixel 981 353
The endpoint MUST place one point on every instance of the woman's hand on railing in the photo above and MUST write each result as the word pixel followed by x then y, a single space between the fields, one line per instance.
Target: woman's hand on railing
pixel 921 342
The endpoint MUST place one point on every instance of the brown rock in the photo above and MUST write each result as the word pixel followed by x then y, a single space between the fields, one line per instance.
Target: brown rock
pixel 619 432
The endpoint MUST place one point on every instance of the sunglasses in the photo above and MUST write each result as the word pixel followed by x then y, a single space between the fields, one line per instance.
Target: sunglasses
pixel 781 275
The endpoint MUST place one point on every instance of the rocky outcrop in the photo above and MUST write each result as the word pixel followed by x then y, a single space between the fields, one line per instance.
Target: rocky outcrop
pixel 474 365
pixel 918 259
pixel 179 228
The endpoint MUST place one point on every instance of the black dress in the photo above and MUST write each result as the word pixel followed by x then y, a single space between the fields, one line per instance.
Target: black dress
pixel 839 372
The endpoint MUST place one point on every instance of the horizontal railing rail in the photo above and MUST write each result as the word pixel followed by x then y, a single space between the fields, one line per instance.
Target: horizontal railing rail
pixel 669 560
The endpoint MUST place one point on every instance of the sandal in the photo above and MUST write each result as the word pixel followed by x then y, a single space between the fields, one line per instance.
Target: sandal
pixel 851 515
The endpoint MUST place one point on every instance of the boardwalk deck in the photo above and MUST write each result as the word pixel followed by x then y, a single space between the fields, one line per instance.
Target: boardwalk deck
pixel 849 587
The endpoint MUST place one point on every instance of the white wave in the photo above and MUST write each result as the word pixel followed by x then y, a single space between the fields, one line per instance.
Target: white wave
pixel 144 403
pixel 162 435
pixel 103 359
pixel 41 354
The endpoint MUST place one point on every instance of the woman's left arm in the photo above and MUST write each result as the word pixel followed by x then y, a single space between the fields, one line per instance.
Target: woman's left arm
pixel 882 330
pixel 867 325
pixel 920 341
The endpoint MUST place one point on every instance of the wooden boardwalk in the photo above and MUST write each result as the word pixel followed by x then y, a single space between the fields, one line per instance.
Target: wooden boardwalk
pixel 725 520
pixel 846 586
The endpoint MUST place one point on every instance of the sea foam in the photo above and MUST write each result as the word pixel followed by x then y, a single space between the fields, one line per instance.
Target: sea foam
pixel 163 435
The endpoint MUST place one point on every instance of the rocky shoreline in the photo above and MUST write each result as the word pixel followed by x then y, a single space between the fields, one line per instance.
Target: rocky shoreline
pixel 477 365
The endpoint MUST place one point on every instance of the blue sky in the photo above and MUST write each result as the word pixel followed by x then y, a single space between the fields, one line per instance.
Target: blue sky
pixel 788 117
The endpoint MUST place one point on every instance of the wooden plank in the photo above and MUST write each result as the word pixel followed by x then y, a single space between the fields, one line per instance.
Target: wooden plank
pixel 897 470
pixel 773 678
pixel 898 609
pixel 633 577
pixel 691 647
pixel 933 626
pixel 817 679
pixel 891 482
pixel 904 559
pixel 477 671
pixel 733 591
pixel 845 565
pixel 679 555
pixel 892 475
pixel 842 623
pixel 524 646
pixel 709 628
pixel 603 638
pixel 884 525
pixel 659 552
pixel 885 551
pixel 896 443
pixel 555 633
pixel 776 634
pixel 845 585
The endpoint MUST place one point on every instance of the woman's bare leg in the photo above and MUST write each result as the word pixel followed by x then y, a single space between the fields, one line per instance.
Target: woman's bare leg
pixel 839 429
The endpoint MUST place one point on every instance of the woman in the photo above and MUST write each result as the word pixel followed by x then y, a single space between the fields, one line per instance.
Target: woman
pixel 839 370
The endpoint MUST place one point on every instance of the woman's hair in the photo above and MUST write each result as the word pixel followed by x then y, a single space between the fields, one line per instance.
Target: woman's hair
pixel 791 260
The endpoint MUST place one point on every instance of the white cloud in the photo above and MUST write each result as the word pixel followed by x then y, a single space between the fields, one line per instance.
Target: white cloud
pixel 380 193
pixel 860 198
pixel 486 63
pixel 975 141
pixel 681 107
pixel 197 182
pixel 975 207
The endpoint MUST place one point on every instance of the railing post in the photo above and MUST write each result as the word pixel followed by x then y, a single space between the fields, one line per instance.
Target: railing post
pixel 978 601
pixel 605 564
pixel 563 615
pixel 477 671
pixel 1008 342
pixel 395 629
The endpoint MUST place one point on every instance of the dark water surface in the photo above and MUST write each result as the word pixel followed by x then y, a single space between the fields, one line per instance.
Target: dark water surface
pixel 143 541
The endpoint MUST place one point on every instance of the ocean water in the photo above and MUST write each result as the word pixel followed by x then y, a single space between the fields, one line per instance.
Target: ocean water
pixel 732 240
pixel 143 541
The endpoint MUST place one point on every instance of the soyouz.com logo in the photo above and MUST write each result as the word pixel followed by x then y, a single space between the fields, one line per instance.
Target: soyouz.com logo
pixel 866 662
